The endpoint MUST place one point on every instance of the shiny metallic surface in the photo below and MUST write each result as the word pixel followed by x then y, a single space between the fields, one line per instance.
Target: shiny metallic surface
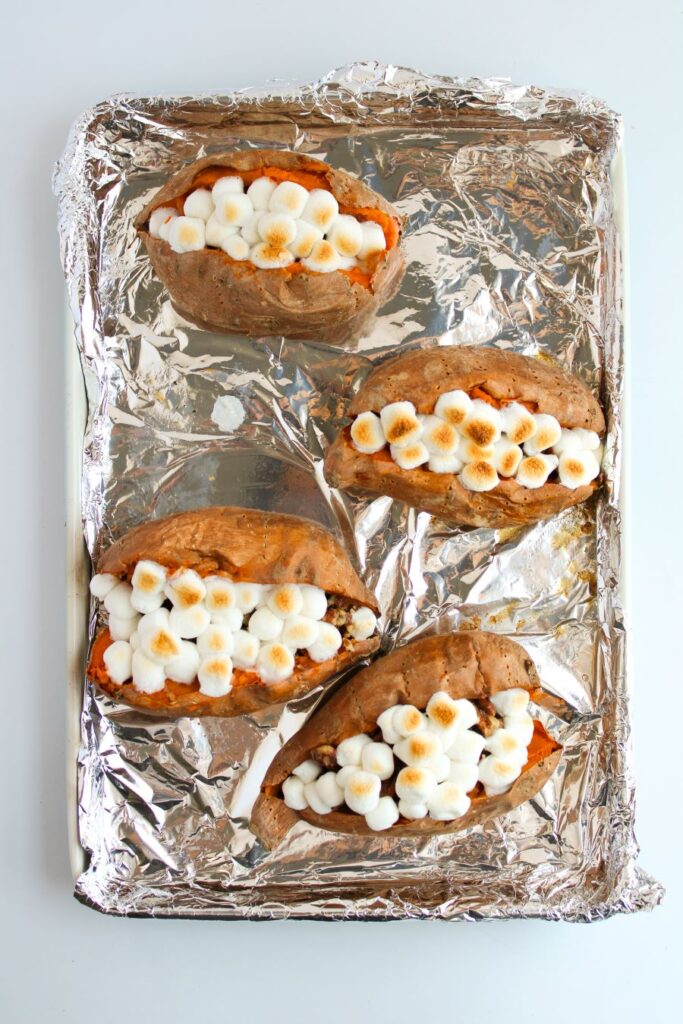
pixel 511 241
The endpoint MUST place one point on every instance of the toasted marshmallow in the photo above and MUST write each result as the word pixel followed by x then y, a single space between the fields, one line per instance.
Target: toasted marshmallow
pixel 467 747
pixel 160 644
pixel 277 229
pixel 118 661
pixel 482 424
pixel 154 620
pixel 215 675
pixel 361 792
pixel 189 623
pixel 400 424
pixel 288 197
pixel 419 750
pixel 534 470
pixel 346 235
pixel 569 441
pixel 187 234
pixel 248 595
pixel 245 649
pixel 465 775
pixel 216 639
pixel 448 801
pixel 199 204
pixel 268 257
pixel 479 476
pixel 149 577
pixel 443 712
pixel 321 209
pixel 260 191
pixel 441 767
pixel 383 816
pixel 236 247
pixel 220 596
pixel 307 771
pixel 148 676
pixel 548 432
pixel 410 456
pixel 185 589
pixel 372 240
pixel 505 744
pixel 328 642
pixel 513 702
pixel 518 423
pixel 454 407
pixel 329 790
pixel 118 601
pixel 438 436
pixel 378 759
pixel 230 184
pixel 322 259
pixel 506 457
pixel 102 583
pixel 285 600
pixel 233 209
pixel 122 629
pixel 521 726
pixel 314 601
pixel 275 662
pixel 264 625
pixel 217 232
pixel 350 750
pixel 444 464
pixel 495 771
pixel 146 603
pixel 367 434
pixel 305 239
pixel 249 230
pixel 293 794
pixel 576 469
pixel 407 720
pixel 363 623
pixel 160 221
pixel 412 810
pixel 345 773
pixel 467 451
pixel 315 801
pixel 415 785
pixel 184 668
pixel 299 632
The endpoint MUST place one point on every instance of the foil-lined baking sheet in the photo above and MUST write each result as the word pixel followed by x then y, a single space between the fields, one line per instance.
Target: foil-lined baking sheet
pixel 511 241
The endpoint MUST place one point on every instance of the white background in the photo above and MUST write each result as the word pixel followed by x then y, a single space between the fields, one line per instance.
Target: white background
pixel 60 961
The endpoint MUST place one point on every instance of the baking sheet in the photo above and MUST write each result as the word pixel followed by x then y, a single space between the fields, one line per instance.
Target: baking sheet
pixel 512 240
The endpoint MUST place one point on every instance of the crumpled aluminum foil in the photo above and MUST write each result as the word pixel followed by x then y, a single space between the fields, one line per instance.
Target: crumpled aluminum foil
pixel 511 241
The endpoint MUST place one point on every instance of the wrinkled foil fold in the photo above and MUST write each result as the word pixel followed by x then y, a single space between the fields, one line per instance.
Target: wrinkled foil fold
pixel 511 241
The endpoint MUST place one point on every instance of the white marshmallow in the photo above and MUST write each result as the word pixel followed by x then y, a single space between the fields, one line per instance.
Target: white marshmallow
pixel 345 773
pixel 383 816
pixel 438 436
pixel 410 456
pixel 217 232
pixel 233 209
pixel 184 668
pixel 454 407
pixel 569 441
pixel 299 632
pixel 267 257
pixel 230 184
pixel 260 191
pixel 161 219
pixel 322 259
pixel 482 424
pixel 419 750
pixel 521 726
pixel 389 734
pixel 327 644
pixel 216 639
pixel 363 623
pixel 412 810
pixel 367 433
pixel 400 424
pixel 518 423
pixel 159 644
pixel 288 197
pixel 307 771
pixel 199 204
pixel 467 747
pixel 372 239
pixel 576 469
pixel 293 794
pixel 361 792
pixel 102 584
pixel 444 464
pixel 505 744
pixel 285 600
pixel 187 234
pixel 264 625
pixel 321 209
pixel 275 662
pixel 415 785
pixel 506 457
pixel 534 470
pixel 440 767
pixel 165 226
pixel 232 618
pixel 314 601
pixel 154 620
pixel 496 772
pixel 347 263
pixel 185 588
pixel 315 801
pixel 465 775
pixel 220 595
pixel 122 629
pixel 346 235
pixel 134 641
pixel 350 750
pixel 118 601
pixel 245 649
pixel 378 759
pixel 236 247
pixel 305 239
pixel 329 790
pixel 118 661
pixel 277 229
pixel 407 720
pixel 448 802
pixel 548 432
pixel 513 702
pixel 479 476
pixel 214 675
pixel 146 603
pixel 249 230
pixel 189 623
pixel 248 595
pixel 588 438
pixel 148 676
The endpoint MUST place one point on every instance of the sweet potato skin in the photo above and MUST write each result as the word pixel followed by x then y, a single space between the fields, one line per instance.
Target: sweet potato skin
pixel 421 376
pixel 222 295
pixel 470 664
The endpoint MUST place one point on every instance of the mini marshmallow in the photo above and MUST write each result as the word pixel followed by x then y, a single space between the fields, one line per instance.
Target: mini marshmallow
pixel 277 229
pixel 438 436
pixel 410 456
pixel 467 451
pixel 479 476
pixel 293 794
pixel 344 774
pixel 465 714
pixel 187 234
pixel 149 577
pixel 363 623
pixel 415 785
pixel 496 772
pixel 260 191
pixel 454 407
pixel 518 423
pixel 412 810
pixel 214 675
pixel 102 583
pixel 576 469
pixel 220 595
pixel 285 600
pixel 165 226
pixel 383 816
pixel 122 629
pixel 448 801
pixel 322 259
pixel 146 603
pixel 522 727
pixel 185 589
pixel 217 232
pixel 389 734
pixel 235 247
pixel 189 623
pixel 534 470
pixel 216 639
pixel 444 464
pixel 184 668
pixel 314 601
pixel 275 662
pixel 467 747
pixel 329 790
pixel 230 184
pixel 118 661
pixel 315 802
pixel 161 219
pixel 465 775
pixel 372 239
pixel 443 712
pixel 327 644
pixel 347 263
pixel 159 644
pixel 148 676
pixel 588 438
pixel 506 457
pixel 232 618
pixel 267 257
pixel 407 720
pixel 199 204
pixel 245 649
pixel 361 792
pixel 419 750
pixel 346 235
pixel 233 209
pixel 249 230
pixel 367 434
pixel 264 625
pixel 321 209
pixel 299 632
pixel 441 767
pixel 378 759
pixel 505 744
pixel 482 424
pixel 307 771
pixel 118 601
pixel 247 596
pixel 569 441
pixel 288 197
pixel 305 239
pixel 513 702
pixel 548 432
pixel 154 620
pixel 400 424
pixel 350 750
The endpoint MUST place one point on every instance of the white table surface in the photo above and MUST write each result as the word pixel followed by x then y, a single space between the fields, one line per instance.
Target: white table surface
pixel 60 961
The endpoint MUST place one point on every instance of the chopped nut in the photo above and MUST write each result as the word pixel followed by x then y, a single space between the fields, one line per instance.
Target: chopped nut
pixel 325 755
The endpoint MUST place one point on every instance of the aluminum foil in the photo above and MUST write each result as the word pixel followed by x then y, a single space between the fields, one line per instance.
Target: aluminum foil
pixel 512 241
